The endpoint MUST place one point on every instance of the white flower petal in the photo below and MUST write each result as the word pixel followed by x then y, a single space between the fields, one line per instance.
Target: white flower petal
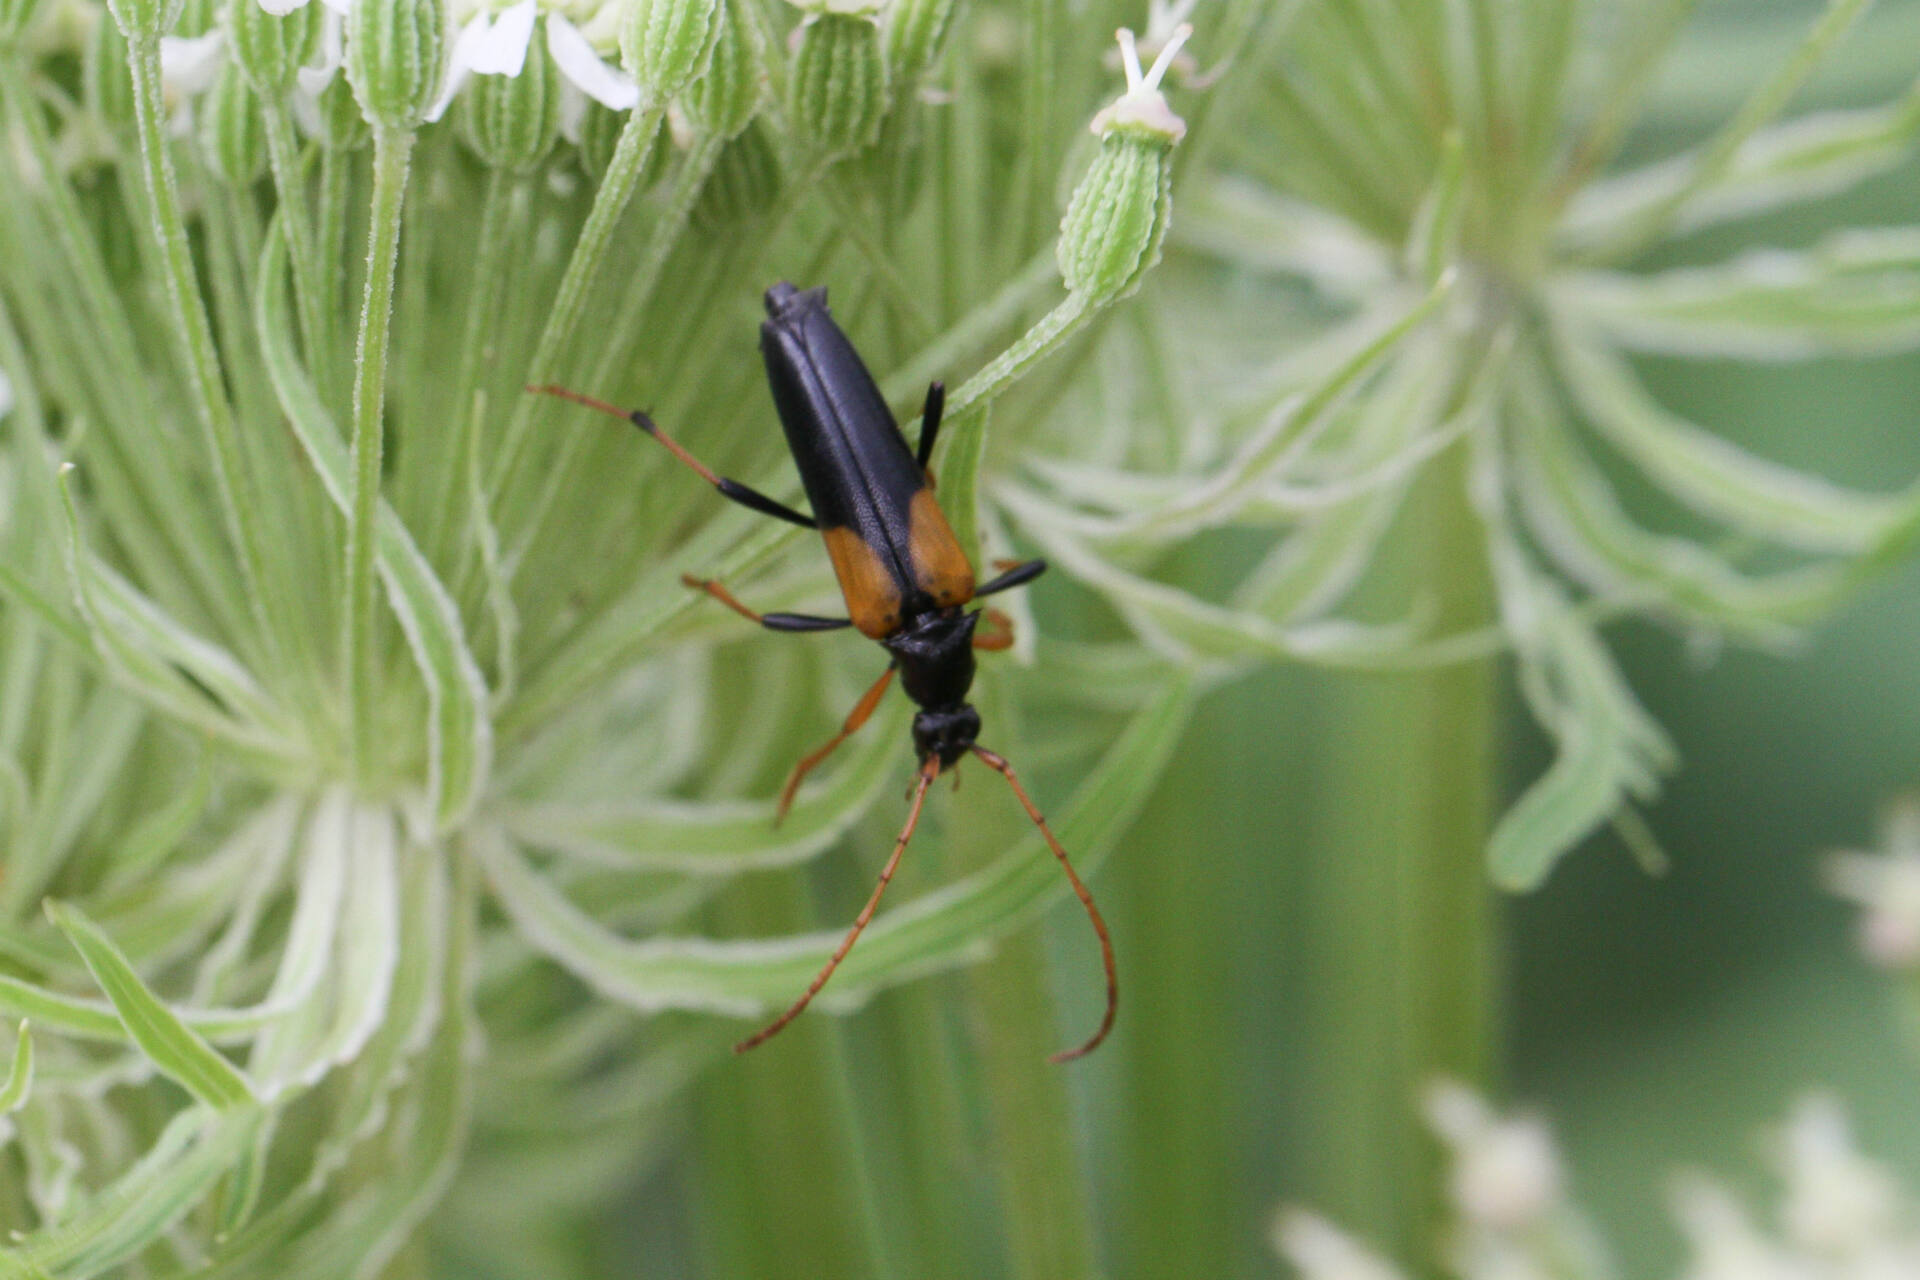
pixel 460 64
pixel 281 8
pixel 188 64
pixel 314 78
pixel 338 6
pixel 502 48
pixel 579 63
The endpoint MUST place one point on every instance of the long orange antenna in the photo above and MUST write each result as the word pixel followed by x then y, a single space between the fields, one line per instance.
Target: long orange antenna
pixel 1000 766
pixel 640 419
pixel 928 771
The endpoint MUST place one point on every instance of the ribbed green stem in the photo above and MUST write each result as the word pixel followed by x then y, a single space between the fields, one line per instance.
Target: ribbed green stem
pixel 391 151
pixel 195 335
pixel 637 141
pixel 309 293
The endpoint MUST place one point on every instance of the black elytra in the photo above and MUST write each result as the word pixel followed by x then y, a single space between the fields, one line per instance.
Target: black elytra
pixel 903 574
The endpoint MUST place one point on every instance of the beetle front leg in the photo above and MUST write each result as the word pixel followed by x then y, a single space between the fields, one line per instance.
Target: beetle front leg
pixel 771 621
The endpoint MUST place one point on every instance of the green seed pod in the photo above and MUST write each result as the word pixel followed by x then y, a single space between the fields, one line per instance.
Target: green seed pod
pixel 271 48
pixel 233 134
pixel 396 58
pixel 1117 219
pixel 338 124
pixel 837 86
pixel 744 184
pixel 196 18
pixel 911 35
pixel 106 81
pixel 664 44
pixel 510 122
pixel 721 102
pixel 600 129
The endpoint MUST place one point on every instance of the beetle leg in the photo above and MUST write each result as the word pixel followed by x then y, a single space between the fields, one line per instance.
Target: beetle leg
pixel 771 621
pixel 730 489
pixel 1018 575
pixel 930 422
pixel 855 718
pixel 1000 634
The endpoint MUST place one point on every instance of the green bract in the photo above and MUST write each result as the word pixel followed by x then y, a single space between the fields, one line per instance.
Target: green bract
pixel 395 58
pixel 511 122
pixel 837 84
pixel 270 48
pixel 665 44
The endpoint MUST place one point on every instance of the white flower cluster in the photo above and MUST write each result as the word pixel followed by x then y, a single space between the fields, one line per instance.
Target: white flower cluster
pixel 1841 1216
pixel 490 43
pixel 1887 885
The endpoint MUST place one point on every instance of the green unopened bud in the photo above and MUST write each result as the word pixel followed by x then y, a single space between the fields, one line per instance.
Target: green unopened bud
pixel 722 101
pixel 744 184
pixel 510 122
pixel 913 32
pixel 600 130
pixel 665 44
pixel 233 135
pixel 1117 219
pixel 338 124
pixel 105 79
pixel 270 48
pixel 396 56
pixel 837 88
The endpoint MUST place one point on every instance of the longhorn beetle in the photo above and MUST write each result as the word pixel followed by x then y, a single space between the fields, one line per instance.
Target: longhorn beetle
pixel 903 574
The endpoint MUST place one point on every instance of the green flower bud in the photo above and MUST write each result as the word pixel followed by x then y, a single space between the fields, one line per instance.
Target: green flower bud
pixel 105 79
pixel 338 124
pixel 665 44
pixel 911 35
pixel 510 122
pixel 1117 219
pixel 600 130
pixel 270 48
pixel 396 58
pixel 233 134
pixel 744 184
pixel 837 87
pixel 722 101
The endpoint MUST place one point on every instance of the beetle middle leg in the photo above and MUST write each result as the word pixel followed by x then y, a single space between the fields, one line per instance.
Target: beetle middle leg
pixel 855 718
pixel 771 621
pixel 997 635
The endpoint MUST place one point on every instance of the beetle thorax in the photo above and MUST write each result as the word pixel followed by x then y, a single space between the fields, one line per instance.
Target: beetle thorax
pixel 934 652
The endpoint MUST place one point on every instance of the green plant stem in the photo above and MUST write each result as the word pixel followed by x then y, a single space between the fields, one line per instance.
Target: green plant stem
pixel 391 151
pixel 637 141
pixel 195 334
pixel 1399 917
pixel 1043 1186
pixel 638 292
pixel 483 305
pixel 309 290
